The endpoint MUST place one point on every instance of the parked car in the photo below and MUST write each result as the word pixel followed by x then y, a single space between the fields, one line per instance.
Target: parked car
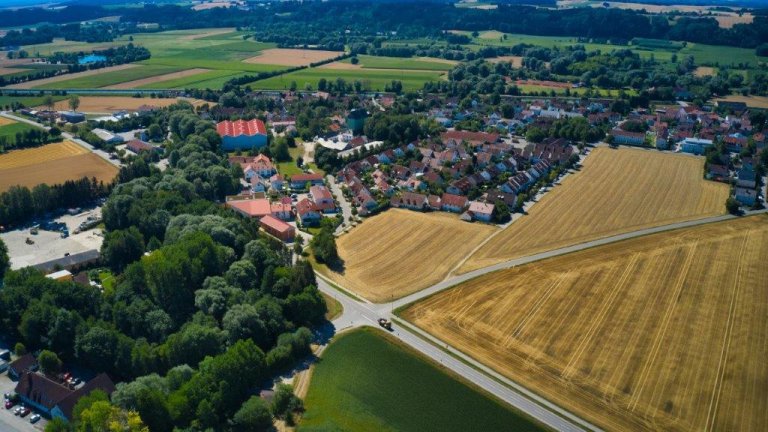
pixel 18 409
pixel 24 412
pixel 9 404
pixel 34 419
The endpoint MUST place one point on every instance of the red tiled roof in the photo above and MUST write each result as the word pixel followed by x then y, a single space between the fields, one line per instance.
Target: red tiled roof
pixel 241 127
pixel 305 206
pixel 252 207
pixel 306 177
pixel 275 223
pixel 454 200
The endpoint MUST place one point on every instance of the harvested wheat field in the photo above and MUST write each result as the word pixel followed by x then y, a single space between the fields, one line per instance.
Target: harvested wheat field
pixel 516 61
pixel 52 164
pixel 751 101
pixel 664 332
pixel 400 252
pixel 70 76
pixel 156 79
pixel 292 57
pixel 616 191
pixel 703 71
pixel 106 104
pixel 6 121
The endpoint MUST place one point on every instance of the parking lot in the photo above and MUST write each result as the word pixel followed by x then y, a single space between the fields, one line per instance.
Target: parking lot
pixel 10 422
pixel 28 249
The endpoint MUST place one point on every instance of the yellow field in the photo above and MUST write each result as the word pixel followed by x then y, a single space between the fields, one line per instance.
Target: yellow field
pixel 6 121
pixel 751 101
pixel 36 155
pixel 664 332
pixel 616 191
pixel 400 252
pixel 52 164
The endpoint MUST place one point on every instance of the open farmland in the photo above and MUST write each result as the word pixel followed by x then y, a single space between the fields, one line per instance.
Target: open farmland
pixel 663 332
pixel 292 57
pixel 105 104
pixel 82 76
pixel 357 375
pixel 372 79
pixel 52 164
pixel 751 101
pixel 108 78
pixel 616 191
pixel 376 62
pixel 9 128
pixel 162 79
pixel 400 252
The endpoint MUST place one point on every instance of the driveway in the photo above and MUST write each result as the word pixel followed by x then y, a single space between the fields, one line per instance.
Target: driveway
pixel 346 206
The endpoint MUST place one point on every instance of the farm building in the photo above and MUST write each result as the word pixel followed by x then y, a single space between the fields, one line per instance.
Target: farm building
pixel 138 146
pixel 107 137
pixel 242 134
pixel 72 117
pixel 277 228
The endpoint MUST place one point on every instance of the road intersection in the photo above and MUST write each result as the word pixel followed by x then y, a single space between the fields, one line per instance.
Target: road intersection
pixel 360 312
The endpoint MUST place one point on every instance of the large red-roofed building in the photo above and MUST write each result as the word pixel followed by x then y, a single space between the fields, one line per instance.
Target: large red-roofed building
pixel 277 228
pixel 242 134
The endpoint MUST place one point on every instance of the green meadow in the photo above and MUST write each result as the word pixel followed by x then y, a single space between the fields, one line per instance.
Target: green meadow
pixel 366 381
pixel 372 80
pixel 111 78
pixel 373 62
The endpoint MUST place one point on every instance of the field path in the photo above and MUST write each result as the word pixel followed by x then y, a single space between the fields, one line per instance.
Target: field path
pixel 156 79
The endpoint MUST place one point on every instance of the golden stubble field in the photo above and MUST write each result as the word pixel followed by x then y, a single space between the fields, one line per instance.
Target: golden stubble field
pixel 106 104
pixel 400 252
pixel 664 332
pixel 616 191
pixel 292 57
pixel 52 164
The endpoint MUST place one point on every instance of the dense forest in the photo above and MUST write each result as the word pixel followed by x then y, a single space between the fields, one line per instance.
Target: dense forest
pixel 344 22
pixel 204 311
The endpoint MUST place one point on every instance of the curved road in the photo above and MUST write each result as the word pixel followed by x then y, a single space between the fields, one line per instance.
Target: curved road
pixel 364 313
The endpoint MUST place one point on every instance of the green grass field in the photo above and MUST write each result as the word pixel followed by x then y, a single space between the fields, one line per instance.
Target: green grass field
pixel 9 131
pixel 212 79
pixel 111 78
pixel 373 80
pixel 373 62
pixel 365 381
pixel 28 101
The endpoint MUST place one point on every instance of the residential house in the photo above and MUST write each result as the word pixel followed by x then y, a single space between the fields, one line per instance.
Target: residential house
pixel 481 211
pixel 453 203
pixel 745 196
pixel 494 195
pixel 695 146
pixel 281 210
pixel 412 201
pixel 138 146
pixel 323 199
pixel 307 212
pixel 299 181
pixel 277 182
pixel 627 138
pixel 746 177
pixel 719 173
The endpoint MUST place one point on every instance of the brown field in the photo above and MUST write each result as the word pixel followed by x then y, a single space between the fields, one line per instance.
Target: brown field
pixel 616 191
pixel 400 252
pixel 6 121
pixel 751 101
pixel 703 71
pixel 292 57
pixel 517 61
pixel 104 104
pixel 52 164
pixel 664 332
pixel 212 5
pixel 159 78
pixel 69 76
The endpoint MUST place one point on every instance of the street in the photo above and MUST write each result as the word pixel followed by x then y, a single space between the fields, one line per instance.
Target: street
pixel 364 313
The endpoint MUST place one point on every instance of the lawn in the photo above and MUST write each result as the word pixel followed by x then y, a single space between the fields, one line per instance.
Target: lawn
pixel 335 308
pixel 27 101
pixel 212 79
pixel 9 130
pixel 662 332
pixel 366 381
pixel 374 80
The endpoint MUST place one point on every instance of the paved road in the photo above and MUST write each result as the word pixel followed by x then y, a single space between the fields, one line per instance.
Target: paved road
pixel 66 135
pixel 346 207
pixel 364 313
